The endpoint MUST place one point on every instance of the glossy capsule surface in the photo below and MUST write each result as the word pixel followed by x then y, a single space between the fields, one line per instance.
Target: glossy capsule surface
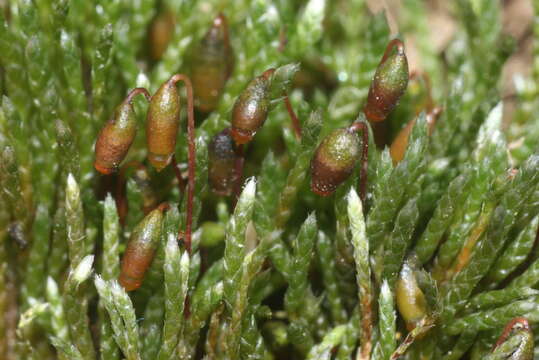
pixel 212 65
pixel 115 139
pixel 222 158
pixel 389 83
pixel 140 250
pixel 334 161
pixel 411 301
pixel 162 124
pixel 251 108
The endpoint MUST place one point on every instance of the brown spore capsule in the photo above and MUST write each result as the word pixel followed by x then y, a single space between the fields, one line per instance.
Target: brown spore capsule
pixel 162 124
pixel 212 64
pixel 160 33
pixel 222 159
pixel 116 137
pixel 140 249
pixel 251 108
pixel 389 83
pixel 334 161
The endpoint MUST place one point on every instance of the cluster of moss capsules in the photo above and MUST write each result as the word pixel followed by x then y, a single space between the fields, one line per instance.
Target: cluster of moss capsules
pixel 333 162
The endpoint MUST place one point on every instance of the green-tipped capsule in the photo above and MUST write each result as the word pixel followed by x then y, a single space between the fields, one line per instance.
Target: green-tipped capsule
pixel 334 161
pixel 515 343
pixel 389 83
pixel 222 158
pixel 140 249
pixel 116 136
pixel 212 64
pixel 411 300
pixel 162 124
pixel 251 108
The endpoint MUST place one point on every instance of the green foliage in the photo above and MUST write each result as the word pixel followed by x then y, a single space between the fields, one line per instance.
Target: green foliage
pixel 282 273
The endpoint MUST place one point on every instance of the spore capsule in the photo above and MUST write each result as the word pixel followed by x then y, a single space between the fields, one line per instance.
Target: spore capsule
pixel 117 135
pixel 162 124
pixel 222 159
pixel 389 82
pixel 251 108
pixel 212 64
pixel 334 160
pixel 140 249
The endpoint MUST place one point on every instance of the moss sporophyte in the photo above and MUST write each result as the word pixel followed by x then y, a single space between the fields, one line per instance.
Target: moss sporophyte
pixel 162 124
pixel 297 184
pixel 117 135
pixel 140 249
pixel 212 65
pixel 335 159
pixel 389 82
pixel 221 163
pixel 251 109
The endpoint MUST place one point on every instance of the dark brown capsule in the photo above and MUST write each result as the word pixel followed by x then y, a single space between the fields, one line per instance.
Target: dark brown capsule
pixel 116 136
pixel 389 82
pixel 162 124
pixel 334 161
pixel 140 249
pixel 222 159
pixel 251 108
pixel 212 65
